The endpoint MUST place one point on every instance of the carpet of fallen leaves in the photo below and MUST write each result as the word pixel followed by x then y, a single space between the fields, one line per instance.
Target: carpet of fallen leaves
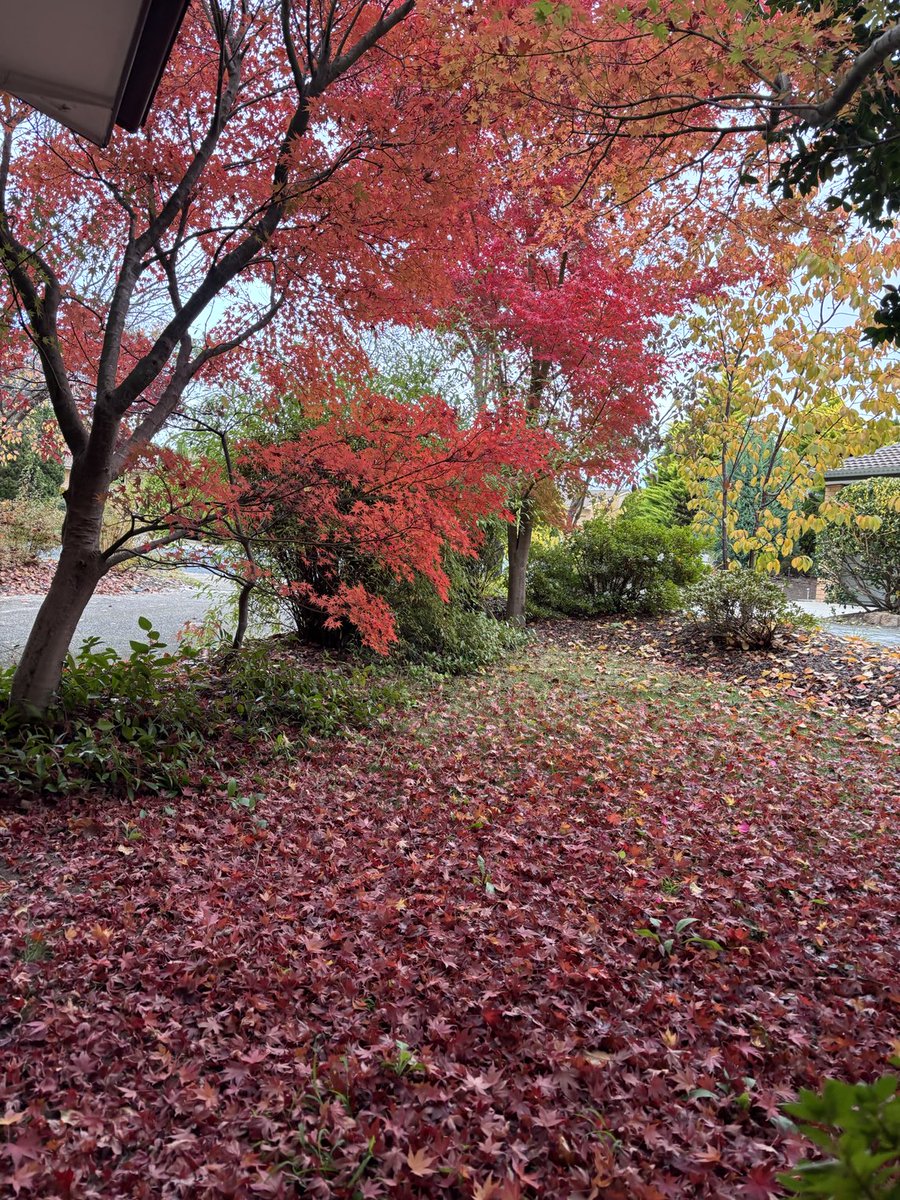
pixel 33 579
pixel 820 670
pixel 409 964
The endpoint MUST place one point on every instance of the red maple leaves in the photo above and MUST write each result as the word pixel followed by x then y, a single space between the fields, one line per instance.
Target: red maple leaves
pixel 393 484
pixel 335 1003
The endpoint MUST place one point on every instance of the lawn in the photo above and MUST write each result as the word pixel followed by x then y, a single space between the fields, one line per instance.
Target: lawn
pixel 577 927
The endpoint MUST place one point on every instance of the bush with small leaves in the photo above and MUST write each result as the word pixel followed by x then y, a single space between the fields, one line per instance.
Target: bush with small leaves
pixel 857 1126
pixel 740 609
pixel 633 566
pixel 452 638
pixel 860 560
pixel 261 693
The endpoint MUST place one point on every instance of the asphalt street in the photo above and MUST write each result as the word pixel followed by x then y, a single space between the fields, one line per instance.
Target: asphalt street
pixel 114 619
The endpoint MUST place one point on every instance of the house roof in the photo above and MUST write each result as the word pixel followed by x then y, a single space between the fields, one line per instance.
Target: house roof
pixel 89 64
pixel 885 461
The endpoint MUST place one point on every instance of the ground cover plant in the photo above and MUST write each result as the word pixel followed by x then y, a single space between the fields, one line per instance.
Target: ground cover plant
pixel 577 927
pixel 162 717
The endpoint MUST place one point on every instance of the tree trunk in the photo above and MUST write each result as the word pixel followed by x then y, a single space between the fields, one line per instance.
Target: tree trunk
pixel 519 545
pixel 80 569
pixel 243 614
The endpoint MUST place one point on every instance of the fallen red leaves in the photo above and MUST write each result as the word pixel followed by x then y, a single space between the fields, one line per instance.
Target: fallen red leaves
pixel 423 976
pixel 33 579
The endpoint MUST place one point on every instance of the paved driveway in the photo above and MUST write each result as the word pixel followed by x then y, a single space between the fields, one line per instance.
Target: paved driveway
pixel 869 633
pixel 114 619
pixel 828 614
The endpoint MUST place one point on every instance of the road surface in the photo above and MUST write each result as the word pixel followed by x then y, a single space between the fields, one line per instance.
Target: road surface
pixel 838 619
pixel 114 619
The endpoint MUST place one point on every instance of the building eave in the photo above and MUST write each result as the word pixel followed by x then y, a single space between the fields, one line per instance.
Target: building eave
pixel 86 64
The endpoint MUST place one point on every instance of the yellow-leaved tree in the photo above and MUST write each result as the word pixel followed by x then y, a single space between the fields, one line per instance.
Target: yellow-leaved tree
pixel 787 386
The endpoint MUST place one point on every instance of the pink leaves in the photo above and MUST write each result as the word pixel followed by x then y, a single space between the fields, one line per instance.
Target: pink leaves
pixel 576 316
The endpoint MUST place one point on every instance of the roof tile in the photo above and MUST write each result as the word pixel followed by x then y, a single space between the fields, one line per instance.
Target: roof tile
pixel 885 461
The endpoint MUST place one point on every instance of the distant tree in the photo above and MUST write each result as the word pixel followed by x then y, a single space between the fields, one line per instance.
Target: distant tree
pixel 27 474
pixel 664 497
pixel 559 319
pixel 785 392
pixel 859 552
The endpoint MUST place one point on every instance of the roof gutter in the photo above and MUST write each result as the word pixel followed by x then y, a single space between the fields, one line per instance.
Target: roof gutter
pixel 102 70
pixel 154 39
pixel 848 476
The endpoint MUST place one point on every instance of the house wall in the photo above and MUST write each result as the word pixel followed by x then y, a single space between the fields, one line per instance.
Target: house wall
pixel 831 490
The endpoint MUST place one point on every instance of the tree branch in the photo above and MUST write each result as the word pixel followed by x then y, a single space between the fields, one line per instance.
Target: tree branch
pixel 41 312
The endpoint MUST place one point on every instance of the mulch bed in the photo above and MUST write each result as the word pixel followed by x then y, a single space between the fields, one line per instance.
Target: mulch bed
pixel 34 579
pixel 844 674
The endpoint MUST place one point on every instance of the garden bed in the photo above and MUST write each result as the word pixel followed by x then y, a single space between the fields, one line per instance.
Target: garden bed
pixel 817 669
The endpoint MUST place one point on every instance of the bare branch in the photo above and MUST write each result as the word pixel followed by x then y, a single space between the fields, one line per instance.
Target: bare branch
pixel 41 311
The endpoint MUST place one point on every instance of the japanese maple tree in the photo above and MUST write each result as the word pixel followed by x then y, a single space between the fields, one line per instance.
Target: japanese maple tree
pixel 560 317
pixel 289 160
pixel 337 490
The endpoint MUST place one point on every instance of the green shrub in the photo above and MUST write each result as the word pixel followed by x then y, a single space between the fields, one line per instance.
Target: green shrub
pixel 629 566
pixel 861 564
pixel 28 475
pixel 453 637
pixel 145 723
pixel 741 609
pixel 127 724
pixel 456 641
pixel 28 527
pixel 857 1126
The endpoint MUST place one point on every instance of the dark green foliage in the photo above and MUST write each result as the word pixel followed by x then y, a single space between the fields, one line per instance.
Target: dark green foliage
pixel 450 638
pixel 147 723
pixel 29 475
pixel 260 692
pixel 131 725
pixel 741 609
pixel 633 566
pixel 857 1126
pixel 664 498
pixel 458 636
pixel 862 565
pixel 853 157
